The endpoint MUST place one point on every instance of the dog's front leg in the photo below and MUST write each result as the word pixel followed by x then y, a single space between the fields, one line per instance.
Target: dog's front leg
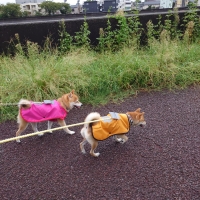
pixel 123 138
pixel 34 127
pixel 62 123
pixel 117 139
pixel 49 126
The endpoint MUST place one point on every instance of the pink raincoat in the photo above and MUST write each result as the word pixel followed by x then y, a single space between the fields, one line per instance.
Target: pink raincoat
pixel 43 112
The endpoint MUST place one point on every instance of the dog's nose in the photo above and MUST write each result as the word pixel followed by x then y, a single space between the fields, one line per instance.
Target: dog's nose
pixel 142 125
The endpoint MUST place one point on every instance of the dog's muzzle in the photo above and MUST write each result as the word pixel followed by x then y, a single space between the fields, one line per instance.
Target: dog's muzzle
pixel 142 125
pixel 78 106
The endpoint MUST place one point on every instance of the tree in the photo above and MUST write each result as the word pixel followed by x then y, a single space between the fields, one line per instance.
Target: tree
pixel 37 13
pixel 10 10
pixel 25 14
pixel 64 8
pixel 50 7
pixel 1 6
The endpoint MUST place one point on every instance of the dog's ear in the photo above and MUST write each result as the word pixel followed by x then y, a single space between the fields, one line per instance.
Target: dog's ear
pixel 139 116
pixel 71 94
pixel 138 110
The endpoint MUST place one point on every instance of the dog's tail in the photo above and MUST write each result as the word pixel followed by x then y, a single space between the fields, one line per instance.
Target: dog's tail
pixel 92 116
pixel 23 103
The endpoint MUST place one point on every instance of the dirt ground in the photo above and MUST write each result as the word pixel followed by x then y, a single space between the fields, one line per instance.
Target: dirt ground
pixel 159 162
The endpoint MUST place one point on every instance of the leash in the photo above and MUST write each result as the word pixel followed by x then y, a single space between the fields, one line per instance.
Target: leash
pixel 53 129
pixel 34 102
pixel 16 104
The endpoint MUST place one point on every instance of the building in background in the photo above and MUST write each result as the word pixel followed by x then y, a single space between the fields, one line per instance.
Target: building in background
pixel 107 6
pixel 76 9
pixel 152 4
pixel 110 6
pixel 166 3
pixel 124 5
pixel 184 3
pixel 32 8
pixel 90 7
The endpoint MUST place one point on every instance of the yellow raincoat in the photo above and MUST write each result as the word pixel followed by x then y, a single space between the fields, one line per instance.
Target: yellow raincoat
pixel 104 129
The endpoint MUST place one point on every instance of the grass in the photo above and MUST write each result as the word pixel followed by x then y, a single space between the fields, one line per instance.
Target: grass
pixel 97 77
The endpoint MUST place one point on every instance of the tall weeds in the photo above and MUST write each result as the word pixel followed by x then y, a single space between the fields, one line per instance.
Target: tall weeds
pixel 65 40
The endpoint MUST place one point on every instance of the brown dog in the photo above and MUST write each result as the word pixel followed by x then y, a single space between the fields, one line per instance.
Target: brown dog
pixel 56 110
pixel 116 126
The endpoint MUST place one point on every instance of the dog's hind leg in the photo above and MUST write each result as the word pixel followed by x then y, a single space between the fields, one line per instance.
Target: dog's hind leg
pixel 22 127
pixel 49 126
pixel 82 144
pixel 62 123
pixel 94 145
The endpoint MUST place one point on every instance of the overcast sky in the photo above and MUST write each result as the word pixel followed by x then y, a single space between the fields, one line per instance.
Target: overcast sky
pixel 71 2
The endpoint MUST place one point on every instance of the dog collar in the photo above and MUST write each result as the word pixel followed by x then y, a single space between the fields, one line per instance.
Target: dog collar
pixel 129 119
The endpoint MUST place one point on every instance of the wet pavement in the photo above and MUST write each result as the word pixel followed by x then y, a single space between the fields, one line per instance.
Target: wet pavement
pixel 159 162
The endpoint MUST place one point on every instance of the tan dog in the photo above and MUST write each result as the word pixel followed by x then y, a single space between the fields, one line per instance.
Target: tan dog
pixel 94 131
pixel 56 110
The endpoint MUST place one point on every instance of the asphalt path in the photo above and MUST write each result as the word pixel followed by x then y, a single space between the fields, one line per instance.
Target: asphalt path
pixel 158 162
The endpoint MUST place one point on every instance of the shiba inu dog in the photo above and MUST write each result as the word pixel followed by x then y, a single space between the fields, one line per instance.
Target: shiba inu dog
pixel 56 110
pixel 114 124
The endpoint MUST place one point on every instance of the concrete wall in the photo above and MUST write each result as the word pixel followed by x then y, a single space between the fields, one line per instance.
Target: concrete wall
pixel 37 32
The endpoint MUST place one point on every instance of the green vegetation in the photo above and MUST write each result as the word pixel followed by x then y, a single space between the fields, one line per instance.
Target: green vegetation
pixel 116 68
pixel 10 10
pixel 51 7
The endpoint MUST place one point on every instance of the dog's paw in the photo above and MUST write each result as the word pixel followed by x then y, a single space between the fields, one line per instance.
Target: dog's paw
pixel 71 132
pixel 18 140
pixel 118 139
pixel 40 134
pixel 122 141
pixel 83 151
pixel 50 131
pixel 96 154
